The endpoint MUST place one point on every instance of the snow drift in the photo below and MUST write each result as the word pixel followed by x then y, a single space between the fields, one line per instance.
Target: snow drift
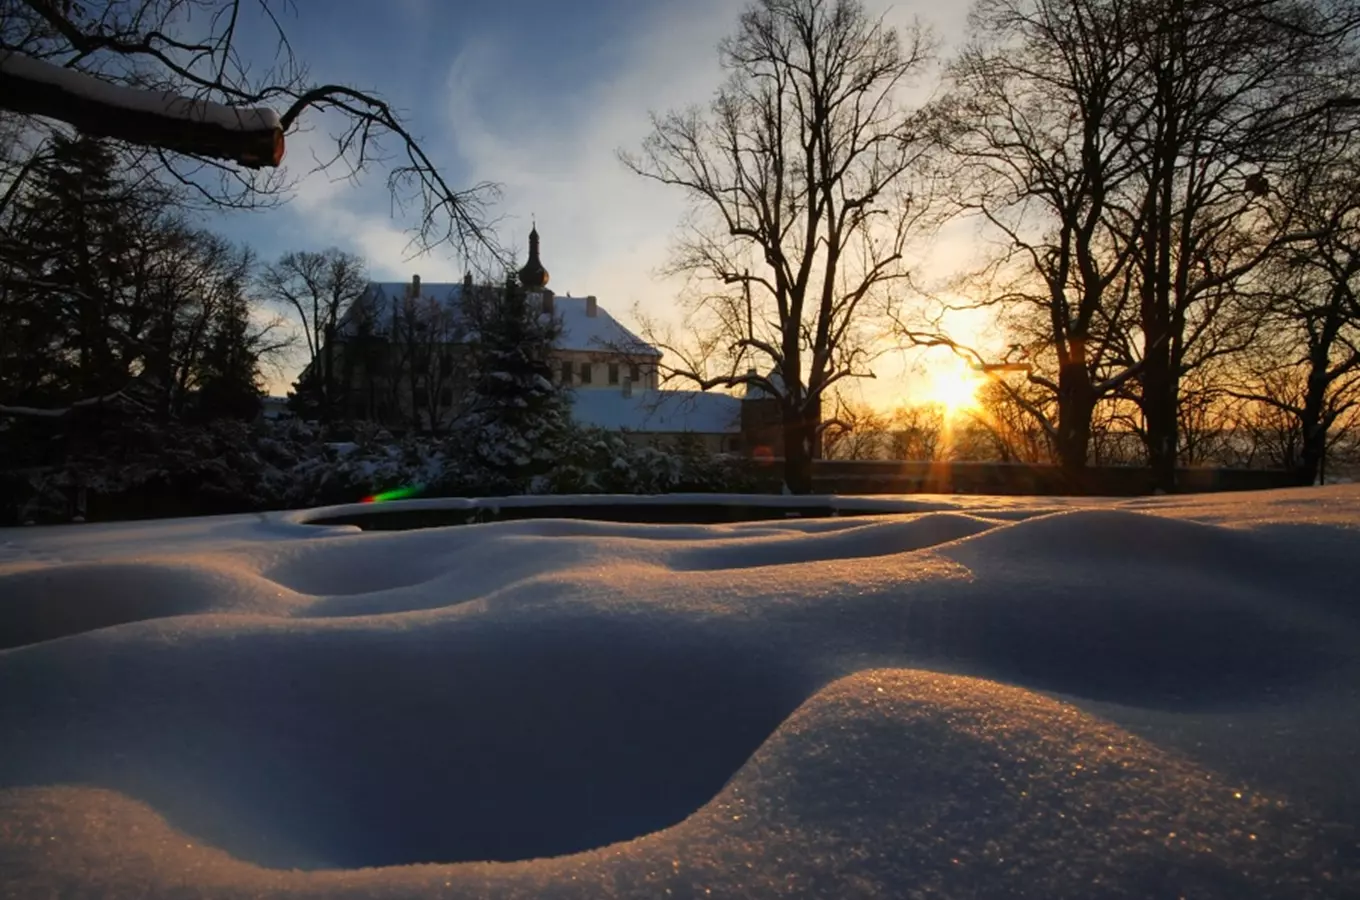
pixel 973 697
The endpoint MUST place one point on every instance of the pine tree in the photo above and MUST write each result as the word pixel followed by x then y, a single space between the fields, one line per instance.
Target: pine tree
pixel 518 416
pixel 229 385
pixel 77 221
pixel 307 397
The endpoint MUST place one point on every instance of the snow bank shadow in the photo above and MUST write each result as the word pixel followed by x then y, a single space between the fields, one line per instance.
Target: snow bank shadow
pixel 356 748
pixel 881 538
pixel 45 603
pixel 1139 610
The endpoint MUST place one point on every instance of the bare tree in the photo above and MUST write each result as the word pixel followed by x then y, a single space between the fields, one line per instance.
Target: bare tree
pixel 917 433
pixel 1123 153
pixel 1036 96
pixel 1011 416
pixel 1309 371
pixel 177 79
pixel 1116 433
pixel 317 289
pixel 428 338
pixel 800 175
pixel 856 431
pixel 1230 85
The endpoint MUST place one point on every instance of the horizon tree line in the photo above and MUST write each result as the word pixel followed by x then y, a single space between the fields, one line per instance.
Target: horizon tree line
pixel 1165 191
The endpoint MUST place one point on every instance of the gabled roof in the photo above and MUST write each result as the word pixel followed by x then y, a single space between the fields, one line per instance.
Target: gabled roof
pixel 601 332
pixel 662 412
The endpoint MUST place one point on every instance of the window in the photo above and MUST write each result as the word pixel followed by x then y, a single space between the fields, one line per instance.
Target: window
pixel 634 373
pixel 566 373
pixel 613 373
pixel 585 373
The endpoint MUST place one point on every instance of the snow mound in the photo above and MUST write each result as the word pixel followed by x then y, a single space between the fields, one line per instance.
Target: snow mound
pixel 834 707
pixel 884 538
pixel 43 603
pixel 885 783
pixel 1144 610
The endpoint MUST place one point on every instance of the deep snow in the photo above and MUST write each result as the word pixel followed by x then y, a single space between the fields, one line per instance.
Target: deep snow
pixel 973 697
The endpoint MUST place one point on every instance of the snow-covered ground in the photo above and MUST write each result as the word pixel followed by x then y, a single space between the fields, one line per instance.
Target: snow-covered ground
pixel 974 697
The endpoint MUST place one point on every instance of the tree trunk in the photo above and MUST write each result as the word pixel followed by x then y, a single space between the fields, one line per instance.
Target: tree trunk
pixel 1076 406
pixel 1310 460
pixel 1159 411
pixel 798 437
pixel 327 375
pixel 1314 424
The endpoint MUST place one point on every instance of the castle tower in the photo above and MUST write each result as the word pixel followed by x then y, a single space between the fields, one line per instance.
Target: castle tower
pixel 533 276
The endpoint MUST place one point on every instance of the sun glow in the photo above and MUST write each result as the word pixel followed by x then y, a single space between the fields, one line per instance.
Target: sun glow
pixel 954 387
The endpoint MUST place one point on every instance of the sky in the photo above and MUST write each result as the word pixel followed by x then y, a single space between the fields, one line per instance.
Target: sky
pixel 537 96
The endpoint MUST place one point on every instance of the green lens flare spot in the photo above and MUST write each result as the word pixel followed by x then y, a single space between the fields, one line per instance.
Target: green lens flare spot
pixel 401 493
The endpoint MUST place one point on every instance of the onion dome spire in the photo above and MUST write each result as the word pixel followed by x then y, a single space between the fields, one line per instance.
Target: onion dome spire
pixel 533 276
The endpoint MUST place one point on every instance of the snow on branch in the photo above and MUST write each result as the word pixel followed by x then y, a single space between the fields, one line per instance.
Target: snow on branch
pixel 35 412
pixel 251 137
pixel 172 76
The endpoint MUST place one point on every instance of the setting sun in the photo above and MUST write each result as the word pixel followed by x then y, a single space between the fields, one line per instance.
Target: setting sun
pixel 955 388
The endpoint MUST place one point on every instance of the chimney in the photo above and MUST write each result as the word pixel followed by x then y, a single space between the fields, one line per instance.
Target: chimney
pixel 548 302
pixel 415 285
pixel 627 387
pixel 592 308
pixel 467 280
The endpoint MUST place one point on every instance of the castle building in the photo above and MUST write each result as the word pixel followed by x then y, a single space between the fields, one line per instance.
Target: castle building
pixel 613 373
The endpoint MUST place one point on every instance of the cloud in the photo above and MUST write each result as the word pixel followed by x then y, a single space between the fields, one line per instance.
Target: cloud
pixel 605 231
pixel 546 125
pixel 353 214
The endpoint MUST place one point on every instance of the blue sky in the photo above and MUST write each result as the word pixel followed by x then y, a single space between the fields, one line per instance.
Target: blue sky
pixel 534 95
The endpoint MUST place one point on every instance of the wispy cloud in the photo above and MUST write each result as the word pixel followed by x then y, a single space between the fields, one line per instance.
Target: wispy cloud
pixel 605 231
pixel 544 118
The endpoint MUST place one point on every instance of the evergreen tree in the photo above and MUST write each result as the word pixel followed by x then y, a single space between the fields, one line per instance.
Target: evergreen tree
pixel 307 398
pixel 518 417
pixel 70 267
pixel 229 385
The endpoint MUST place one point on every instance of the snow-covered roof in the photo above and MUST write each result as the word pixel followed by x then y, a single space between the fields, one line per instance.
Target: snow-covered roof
pixel 599 332
pixel 756 392
pixel 580 331
pixel 662 412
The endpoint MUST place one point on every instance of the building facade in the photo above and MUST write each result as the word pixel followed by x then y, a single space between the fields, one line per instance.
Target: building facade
pixel 396 353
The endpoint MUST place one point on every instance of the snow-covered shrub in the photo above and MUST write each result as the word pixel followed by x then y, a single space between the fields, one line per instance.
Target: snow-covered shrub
pixel 599 461
pixel 133 468
pixel 516 420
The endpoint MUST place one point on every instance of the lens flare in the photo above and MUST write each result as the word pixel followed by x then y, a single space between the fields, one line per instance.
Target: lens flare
pixel 401 493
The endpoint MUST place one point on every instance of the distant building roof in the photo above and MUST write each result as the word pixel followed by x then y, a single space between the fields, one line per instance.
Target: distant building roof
pixel 580 331
pixel 756 392
pixel 661 412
